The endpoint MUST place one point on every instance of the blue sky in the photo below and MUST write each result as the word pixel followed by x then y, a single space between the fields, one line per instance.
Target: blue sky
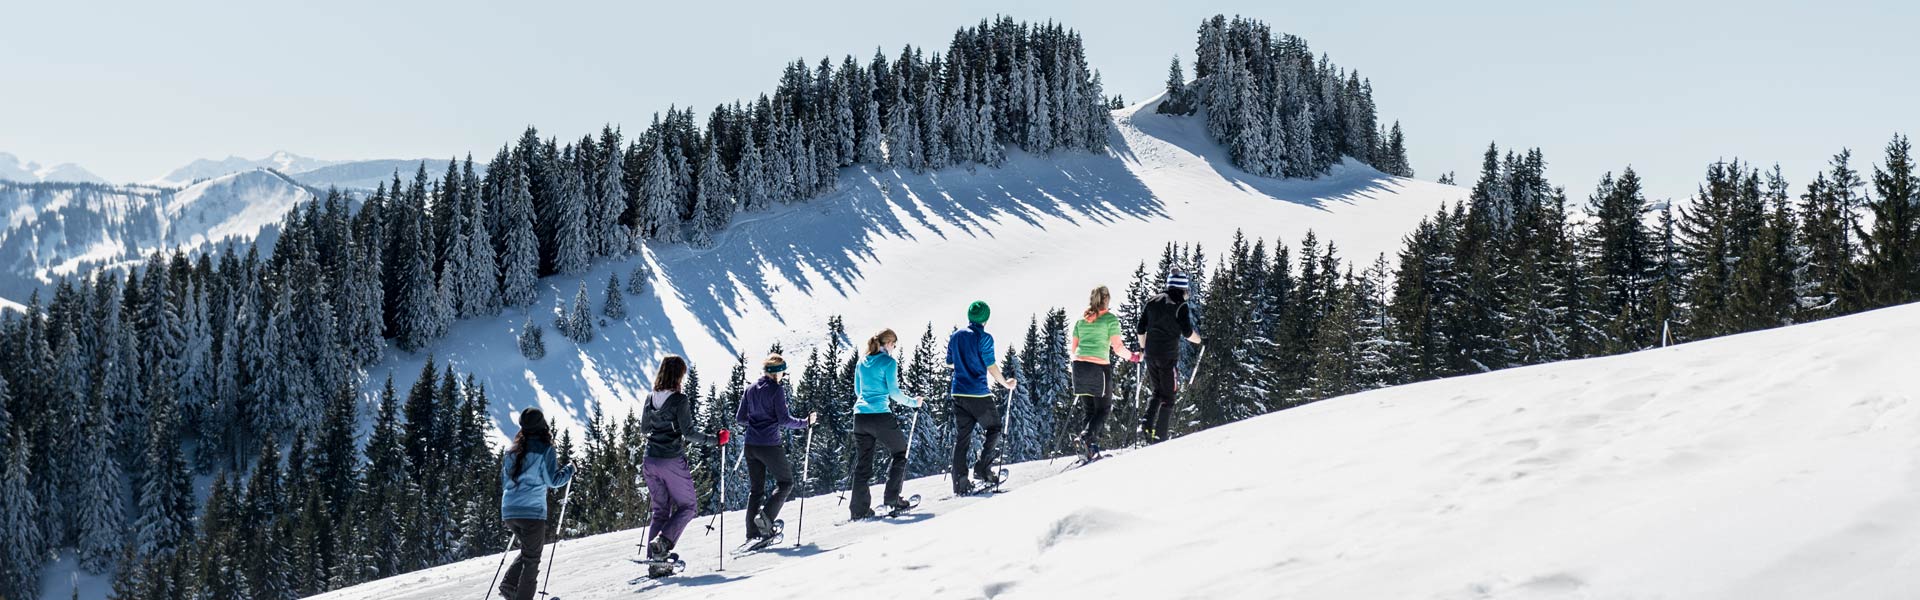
pixel 133 89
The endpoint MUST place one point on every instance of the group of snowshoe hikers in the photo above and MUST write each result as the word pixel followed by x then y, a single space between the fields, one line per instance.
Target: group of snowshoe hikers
pixel 530 468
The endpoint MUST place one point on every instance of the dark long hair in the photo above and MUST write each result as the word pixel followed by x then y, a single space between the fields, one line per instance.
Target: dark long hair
pixel 533 428
pixel 673 370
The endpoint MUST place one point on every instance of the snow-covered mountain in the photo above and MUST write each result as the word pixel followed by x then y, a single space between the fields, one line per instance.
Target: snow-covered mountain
pixel 314 172
pixel 369 174
pixel 12 168
pixel 282 161
pixel 1777 464
pixel 50 230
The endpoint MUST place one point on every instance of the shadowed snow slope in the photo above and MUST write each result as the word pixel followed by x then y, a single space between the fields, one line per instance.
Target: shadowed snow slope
pixel 902 250
pixel 1778 464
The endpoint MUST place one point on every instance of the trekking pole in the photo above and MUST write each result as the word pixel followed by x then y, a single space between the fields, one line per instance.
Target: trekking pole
pixel 558 530
pixel 1196 364
pixel 503 564
pixel 913 426
pixel 722 510
pixel 806 458
pixel 1133 409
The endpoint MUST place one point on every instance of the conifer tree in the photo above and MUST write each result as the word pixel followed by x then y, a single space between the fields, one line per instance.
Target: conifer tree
pixel 1890 270
pixel 21 553
pixel 638 278
pixel 612 303
pixel 532 342
pixel 714 200
pixel 519 250
pixel 661 221
pixel 580 317
pixel 97 502
pixel 571 246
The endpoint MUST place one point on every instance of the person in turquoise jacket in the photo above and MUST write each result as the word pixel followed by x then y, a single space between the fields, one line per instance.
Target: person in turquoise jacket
pixel 876 385
pixel 525 476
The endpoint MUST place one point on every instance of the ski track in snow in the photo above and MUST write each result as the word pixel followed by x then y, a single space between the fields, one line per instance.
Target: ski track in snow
pixel 1776 464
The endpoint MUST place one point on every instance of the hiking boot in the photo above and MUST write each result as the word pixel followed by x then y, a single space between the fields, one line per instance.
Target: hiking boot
pixel 659 548
pixel 762 528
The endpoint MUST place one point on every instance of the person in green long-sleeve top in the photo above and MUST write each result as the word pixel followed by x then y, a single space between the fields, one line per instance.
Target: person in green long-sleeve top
pixel 1096 340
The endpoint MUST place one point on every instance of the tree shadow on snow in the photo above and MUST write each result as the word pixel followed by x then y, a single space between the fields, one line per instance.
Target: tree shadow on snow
pixel 1349 181
pixel 827 242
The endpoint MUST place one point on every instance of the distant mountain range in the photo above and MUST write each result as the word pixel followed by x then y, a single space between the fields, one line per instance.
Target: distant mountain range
pixel 319 173
pixel 12 168
pixel 54 229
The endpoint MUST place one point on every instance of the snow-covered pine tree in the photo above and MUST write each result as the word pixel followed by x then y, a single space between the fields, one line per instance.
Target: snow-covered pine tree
pixel 903 133
pixel 610 200
pixel 934 149
pixel 21 527
pixel 661 220
pixel 612 303
pixel 750 178
pixel 1175 101
pixel 96 500
pixel 571 245
pixel 713 198
pixel 519 248
pixel 166 493
pixel 869 137
pixel 580 317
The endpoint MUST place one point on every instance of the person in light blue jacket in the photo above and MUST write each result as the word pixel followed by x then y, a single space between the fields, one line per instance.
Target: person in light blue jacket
pixel 525 476
pixel 876 383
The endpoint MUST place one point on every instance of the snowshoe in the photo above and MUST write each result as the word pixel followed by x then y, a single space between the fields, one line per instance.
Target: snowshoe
pixel 664 566
pixel 778 529
pixel 900 507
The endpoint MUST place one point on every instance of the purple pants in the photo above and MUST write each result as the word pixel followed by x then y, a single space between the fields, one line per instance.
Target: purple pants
pixel 670 489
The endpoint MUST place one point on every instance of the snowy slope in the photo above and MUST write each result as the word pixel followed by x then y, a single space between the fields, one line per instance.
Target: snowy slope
pixel 895 249
pixel 51 230
pixel 202 169
pixel 1777 464
pixel 12 168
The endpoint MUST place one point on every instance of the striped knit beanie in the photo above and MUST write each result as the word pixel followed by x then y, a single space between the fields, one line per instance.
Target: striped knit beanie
pixel 1177 280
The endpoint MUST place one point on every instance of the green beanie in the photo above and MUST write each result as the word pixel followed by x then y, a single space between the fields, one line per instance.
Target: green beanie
pixel 978 312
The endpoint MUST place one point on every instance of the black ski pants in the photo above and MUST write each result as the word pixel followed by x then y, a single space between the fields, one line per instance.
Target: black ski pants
pixel 524 576
pixel 884 429
pixel 1093 385
pixel 1165 382
pixel 764 462
pixel 969 411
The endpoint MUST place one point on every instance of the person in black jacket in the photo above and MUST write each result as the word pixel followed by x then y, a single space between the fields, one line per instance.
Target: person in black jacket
pixel 1163 322
pixel 667 420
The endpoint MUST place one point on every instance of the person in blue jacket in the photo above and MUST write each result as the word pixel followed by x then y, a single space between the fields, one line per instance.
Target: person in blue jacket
pixel 970 353
pixel 763 413
pixel 875 384
pixel 525 476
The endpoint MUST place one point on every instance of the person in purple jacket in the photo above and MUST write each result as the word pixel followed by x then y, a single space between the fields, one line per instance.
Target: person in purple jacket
pixel 763 416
